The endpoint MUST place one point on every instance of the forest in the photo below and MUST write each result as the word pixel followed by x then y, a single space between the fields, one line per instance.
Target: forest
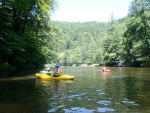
pixel 30 39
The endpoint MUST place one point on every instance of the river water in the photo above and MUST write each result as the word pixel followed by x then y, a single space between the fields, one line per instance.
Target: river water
pixel 123 90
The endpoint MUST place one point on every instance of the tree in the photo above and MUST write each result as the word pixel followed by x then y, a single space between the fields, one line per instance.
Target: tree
pixel 23 27
pixel 112 43
pixel 136 38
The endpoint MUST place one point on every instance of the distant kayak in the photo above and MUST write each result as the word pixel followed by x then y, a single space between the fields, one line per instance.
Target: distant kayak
pixel 62 77
pixel 107 70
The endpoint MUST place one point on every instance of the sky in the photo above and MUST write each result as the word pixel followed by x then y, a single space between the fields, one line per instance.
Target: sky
pixel 90 10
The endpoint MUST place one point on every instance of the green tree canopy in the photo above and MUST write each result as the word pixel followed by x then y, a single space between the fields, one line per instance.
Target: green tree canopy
pixel 23 30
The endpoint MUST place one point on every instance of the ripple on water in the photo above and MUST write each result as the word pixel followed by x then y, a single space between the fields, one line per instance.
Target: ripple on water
pixel 77 95
pixel 55 108
pixel 100 92
pixel 126 101
pixel 105 109
pixel 78 110
pixel 106 103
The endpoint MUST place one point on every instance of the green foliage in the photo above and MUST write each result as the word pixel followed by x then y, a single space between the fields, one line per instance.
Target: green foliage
pixel 29 39
pixel 80 42
pixel 112 43
pixel 125 40
pixel 24 32
pixel 136 38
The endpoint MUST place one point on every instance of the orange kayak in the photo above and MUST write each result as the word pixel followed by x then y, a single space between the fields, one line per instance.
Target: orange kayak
pixel 107 70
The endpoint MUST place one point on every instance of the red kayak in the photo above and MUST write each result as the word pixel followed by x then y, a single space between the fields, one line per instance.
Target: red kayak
pixel 107 70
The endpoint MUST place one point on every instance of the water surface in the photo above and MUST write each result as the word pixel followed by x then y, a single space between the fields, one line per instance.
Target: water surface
pixel 122 90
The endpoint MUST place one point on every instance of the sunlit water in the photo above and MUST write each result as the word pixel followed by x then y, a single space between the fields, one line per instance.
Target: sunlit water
pixel 123 90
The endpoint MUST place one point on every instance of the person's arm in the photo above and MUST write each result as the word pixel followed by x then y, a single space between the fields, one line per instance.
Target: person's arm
pixel 59 71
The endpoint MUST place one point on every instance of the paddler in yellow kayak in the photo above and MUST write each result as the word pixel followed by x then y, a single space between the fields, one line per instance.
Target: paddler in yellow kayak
pixel 57 71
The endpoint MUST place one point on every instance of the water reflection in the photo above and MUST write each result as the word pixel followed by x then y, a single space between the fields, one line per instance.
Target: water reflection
pixel 106 76
pixel 105 109
pixel 78 110
pixel 57 89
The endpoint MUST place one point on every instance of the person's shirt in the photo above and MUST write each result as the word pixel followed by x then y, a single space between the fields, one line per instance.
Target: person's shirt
pixel 47 69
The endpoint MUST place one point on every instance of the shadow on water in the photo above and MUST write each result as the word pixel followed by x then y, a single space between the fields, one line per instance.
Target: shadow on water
pixel 19 73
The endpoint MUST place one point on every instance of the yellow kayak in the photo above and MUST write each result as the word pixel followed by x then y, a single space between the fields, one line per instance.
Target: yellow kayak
pixel 62 77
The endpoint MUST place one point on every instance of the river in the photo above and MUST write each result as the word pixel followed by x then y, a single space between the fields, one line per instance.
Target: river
pixel 123 90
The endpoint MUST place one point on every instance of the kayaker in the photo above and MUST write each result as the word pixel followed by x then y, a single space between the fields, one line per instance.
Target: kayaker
pixel 104 68
pixel 47 68
pixel 57 71
pixel 120 64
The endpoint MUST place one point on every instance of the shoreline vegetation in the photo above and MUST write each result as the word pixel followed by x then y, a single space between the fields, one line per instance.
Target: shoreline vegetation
pixel 12 68
pixel 29 38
